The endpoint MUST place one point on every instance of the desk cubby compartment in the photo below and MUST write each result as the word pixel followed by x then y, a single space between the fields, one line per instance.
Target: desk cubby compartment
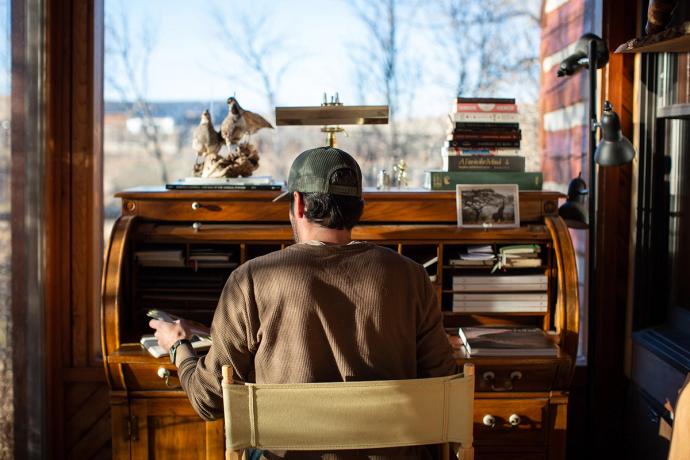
pixel 183 279
pixel 424 254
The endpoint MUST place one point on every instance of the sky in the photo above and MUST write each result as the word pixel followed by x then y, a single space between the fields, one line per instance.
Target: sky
pixel 192 60
pixel 318 31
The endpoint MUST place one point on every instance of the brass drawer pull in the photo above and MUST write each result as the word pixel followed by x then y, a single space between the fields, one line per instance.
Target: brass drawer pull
pixel 490 378
pixel 164 374
pixel 514 420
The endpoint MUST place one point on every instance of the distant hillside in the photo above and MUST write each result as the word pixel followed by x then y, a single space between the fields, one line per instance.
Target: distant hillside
pixel 183 112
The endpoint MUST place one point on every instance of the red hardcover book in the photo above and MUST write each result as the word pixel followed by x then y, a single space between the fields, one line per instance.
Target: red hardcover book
pixel 485 126
pixel 454 151
pixel 484 136
pixel 485 108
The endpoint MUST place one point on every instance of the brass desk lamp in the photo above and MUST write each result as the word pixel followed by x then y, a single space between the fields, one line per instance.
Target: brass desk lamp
pixel 331 115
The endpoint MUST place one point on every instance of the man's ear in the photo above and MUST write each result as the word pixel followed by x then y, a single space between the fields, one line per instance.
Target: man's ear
pixel 298 209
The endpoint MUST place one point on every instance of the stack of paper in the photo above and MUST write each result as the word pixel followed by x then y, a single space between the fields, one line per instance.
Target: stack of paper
pixel 162 258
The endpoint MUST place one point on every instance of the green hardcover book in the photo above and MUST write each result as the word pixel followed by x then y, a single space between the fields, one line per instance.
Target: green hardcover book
pixel 484 163
pixel 446 180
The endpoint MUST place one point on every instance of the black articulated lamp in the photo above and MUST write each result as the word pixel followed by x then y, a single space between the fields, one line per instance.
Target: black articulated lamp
pixel 574 211
pixel 613 150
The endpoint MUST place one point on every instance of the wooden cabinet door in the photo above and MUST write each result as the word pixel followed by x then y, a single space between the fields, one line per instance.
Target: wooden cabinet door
pixel 168 428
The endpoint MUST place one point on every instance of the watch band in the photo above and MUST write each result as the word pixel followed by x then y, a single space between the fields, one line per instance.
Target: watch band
pixel 173 349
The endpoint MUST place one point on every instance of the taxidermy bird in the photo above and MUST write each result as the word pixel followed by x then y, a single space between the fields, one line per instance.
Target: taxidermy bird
pixel 240 122
pixel 206 139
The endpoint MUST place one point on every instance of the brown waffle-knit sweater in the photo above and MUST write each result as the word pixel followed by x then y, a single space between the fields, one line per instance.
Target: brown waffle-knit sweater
pixel 321 313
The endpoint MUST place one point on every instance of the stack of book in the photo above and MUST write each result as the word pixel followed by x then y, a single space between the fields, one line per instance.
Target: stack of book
pixel 507 341
pixel 519 256
pixel 500 294
pixel 483 147
pixel 475 256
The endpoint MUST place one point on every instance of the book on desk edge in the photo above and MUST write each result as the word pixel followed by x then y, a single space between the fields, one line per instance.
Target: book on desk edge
pixel 229 186
pixel 150 344
pixel 446 180
pixel 507 341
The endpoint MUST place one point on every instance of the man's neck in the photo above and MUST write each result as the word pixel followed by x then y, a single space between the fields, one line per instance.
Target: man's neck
pixel 326 235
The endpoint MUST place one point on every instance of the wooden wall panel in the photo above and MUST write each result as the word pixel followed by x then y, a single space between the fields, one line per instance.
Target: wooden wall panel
pixel 606 377
pixel 77 399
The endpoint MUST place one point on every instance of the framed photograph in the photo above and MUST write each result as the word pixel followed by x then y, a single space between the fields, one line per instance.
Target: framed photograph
pixel 488 205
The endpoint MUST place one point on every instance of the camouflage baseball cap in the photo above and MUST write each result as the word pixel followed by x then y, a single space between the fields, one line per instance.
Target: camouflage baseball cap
pixel 312 170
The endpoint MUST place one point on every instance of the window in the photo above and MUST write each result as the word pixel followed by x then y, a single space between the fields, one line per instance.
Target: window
pixel 162 71
pixel 6 396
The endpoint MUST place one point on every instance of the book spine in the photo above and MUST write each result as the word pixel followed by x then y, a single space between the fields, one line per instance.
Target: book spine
pixel 472 263
pixel 447 180
pixel 483 163
pixel 468 107
pixel 490 296
pixel 514 279
pixel 485 136
pixel 523 287
pixel 452 151
pixel 498 309
pixel 482 126
pixel 479 143
pixel 223 187
pixel 485 117
pixel 500 303
pixel 485 100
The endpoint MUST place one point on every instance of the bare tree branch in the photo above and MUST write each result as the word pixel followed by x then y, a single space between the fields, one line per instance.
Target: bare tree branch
pixel 135 76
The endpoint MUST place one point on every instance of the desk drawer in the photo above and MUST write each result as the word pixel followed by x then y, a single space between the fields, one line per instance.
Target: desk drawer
pixel 207 210
pixel 514 377
pixel 516 422
pixel 146 377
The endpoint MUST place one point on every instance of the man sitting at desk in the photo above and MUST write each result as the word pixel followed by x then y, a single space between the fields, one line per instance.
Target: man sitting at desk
pixel 323 310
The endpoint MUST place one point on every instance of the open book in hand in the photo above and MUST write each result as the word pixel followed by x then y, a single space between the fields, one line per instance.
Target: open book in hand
pixel 198 329
pixel 150 343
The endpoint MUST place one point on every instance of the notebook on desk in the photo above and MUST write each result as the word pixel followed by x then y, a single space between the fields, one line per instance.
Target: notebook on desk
pixel 506 341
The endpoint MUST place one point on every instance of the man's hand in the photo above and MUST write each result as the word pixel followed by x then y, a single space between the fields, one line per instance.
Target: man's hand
pixel 169 333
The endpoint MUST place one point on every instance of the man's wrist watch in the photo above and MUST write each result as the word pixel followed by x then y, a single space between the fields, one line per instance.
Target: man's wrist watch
pixel 173 349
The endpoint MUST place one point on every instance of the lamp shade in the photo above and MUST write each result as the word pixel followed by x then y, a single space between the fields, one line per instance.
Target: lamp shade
pixel 574 211
pixel 614 148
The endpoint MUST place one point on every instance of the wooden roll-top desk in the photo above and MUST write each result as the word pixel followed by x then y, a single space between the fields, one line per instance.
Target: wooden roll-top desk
pixel 151 417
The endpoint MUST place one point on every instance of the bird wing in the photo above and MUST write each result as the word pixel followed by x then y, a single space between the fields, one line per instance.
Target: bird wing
pixel 255 122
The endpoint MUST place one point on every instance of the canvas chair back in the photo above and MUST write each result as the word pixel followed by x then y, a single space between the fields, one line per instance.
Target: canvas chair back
pixel 349 415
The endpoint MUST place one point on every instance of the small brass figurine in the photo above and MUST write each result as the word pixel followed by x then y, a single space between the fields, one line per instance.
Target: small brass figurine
pixel 242 157
pixel 400 170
